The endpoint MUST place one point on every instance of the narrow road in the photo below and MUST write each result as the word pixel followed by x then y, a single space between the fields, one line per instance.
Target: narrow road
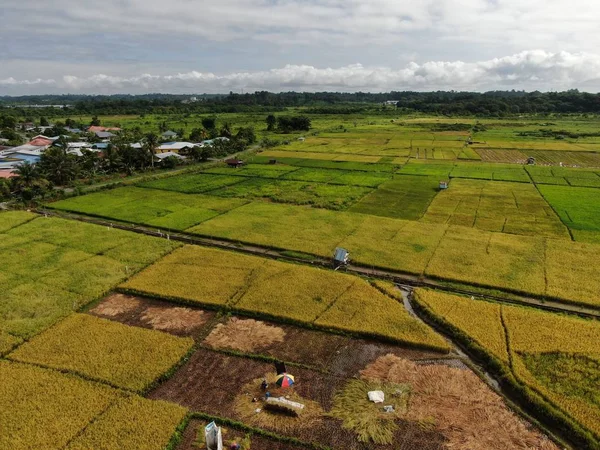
pixel 411 281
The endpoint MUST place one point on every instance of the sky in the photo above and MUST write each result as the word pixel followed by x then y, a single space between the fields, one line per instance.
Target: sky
pixel 199 46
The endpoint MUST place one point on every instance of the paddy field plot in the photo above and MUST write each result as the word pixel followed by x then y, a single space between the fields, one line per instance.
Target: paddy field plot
pixel 404 197
pixel 274 154
pixel 154 207
pixel 515 208
pixel 324 164
pixel 565 176
pixel 126 357
pixel 131 423
pixel 192 183
pixel 281 290
pixel 578 207
pixel 42 408
pixel 54 266
pixel 318 195
pixel 554 355
pixel 254 170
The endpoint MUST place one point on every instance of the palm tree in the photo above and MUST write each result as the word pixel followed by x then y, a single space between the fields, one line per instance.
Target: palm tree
pixel 150 145
pixel 59 166
pixel 29 183
pixel 27 174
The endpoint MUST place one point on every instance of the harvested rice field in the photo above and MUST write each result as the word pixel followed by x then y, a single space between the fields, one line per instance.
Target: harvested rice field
pixel 205 383
pixel 154 314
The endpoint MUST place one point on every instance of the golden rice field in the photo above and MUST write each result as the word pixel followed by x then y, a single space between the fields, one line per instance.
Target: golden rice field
pixel 46 409
pixel 126 357
pixel 556 355
pixel 131 423
pixel 268 288
pixel 530 264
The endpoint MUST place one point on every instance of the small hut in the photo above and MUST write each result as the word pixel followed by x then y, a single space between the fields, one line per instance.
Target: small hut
pixel 234 162
pixel 443 185
pixel 531 161
pixel 341 257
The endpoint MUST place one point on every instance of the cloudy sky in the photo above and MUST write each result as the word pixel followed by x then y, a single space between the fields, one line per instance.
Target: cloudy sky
pixel 197 46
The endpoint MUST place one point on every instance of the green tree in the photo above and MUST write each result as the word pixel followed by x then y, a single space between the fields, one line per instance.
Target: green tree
pixel 209 123
pixel 43 122
pixel 198 134
pixel 29 183
pixel 150 146
pixel 271 122
pixel 170 162
pixel 226 131
pixel 58 166
pixel 95 122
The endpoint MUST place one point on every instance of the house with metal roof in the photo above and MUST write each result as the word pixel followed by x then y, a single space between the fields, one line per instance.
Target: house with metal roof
pixel 169 134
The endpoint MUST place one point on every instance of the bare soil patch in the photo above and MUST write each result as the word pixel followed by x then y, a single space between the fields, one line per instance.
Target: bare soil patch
pixel 116 305
pixel 246 335
pixel 154 314
pixel 459 405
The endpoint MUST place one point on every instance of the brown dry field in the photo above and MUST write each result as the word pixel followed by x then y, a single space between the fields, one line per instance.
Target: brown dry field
pixel 450 407
pixel 467 412
pixel 341 355
pixel 210 382
pixel 154 314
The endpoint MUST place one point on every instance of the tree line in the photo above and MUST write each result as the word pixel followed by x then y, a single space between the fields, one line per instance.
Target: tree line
pixel 494 103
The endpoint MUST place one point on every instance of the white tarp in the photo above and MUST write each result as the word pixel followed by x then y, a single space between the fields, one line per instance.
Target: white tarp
pixel 376 396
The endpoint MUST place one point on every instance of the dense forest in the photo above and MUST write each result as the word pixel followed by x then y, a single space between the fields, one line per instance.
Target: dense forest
pixel 490 104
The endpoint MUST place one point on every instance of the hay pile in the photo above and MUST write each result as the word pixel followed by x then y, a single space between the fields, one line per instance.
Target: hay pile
pixel 282 423
pixel 367 419
pixel 244 335
pixel 173 318
pixel 459 405
pixel 116 305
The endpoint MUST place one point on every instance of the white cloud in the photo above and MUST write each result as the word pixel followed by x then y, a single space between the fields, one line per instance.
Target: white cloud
pixel 532 70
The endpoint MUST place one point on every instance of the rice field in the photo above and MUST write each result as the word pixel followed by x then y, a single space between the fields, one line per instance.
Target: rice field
pixel 54 266
pixel 267 288
pixel 98 349
pixel 576 206
pixel 153 207
pixel 41 408
pixel 131 423
pixel 514 208
pixel 554 355
pixel 404 197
